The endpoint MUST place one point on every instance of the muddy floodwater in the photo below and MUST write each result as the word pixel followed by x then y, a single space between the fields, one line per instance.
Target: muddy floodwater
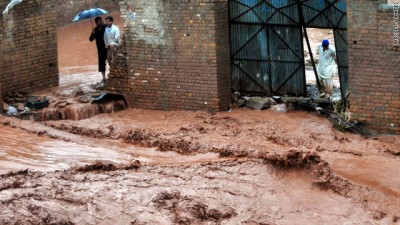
pixel 168 189
pixel 151 167
pixel 21 150
pixel 141 167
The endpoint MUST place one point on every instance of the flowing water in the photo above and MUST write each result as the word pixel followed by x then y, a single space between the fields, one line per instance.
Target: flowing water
pixel 78 67
pixel 236 192
pixel 21 150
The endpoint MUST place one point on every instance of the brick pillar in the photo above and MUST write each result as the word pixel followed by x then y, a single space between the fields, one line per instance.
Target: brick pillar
pixel 177 54
pixel 374 72
pixel 29 47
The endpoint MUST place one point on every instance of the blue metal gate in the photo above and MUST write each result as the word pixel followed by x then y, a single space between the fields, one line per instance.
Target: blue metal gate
pixel 266 36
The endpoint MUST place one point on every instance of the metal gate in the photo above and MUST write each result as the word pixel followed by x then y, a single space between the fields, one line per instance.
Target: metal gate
pixel 266 37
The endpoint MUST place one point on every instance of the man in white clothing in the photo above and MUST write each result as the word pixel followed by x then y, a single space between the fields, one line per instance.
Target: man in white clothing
pixel 326 66
pixel 111 39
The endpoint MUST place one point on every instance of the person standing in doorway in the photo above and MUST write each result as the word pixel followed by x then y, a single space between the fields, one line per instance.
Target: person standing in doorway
pixel 98 35
pixel 111 40
pixel 326 66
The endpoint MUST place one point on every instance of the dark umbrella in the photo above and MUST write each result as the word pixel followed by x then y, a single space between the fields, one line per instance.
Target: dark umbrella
pixel 93 12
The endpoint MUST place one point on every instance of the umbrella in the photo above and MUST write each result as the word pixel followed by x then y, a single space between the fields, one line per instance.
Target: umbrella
pixel 93 12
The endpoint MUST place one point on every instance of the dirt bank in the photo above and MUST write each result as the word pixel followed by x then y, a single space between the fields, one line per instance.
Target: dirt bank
pixel 242 129
pixel 318 174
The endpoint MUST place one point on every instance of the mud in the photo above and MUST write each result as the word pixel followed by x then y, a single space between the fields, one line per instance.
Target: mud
pixel 79 77
pixel 237 192
pixel 265 168
pixel 20 150
pixel 79 111
pixel 101 166
pixel 153 167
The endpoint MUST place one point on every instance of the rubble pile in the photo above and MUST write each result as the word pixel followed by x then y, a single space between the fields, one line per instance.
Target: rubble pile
pixel 80 104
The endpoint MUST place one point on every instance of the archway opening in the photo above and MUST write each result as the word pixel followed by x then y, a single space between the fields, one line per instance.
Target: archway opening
pixel 315 37
pixel 77 56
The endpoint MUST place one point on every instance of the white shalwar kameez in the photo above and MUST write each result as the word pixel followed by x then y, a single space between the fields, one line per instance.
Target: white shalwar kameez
pixel 326 67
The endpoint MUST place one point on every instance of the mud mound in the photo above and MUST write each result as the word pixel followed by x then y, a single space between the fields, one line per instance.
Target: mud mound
pixel 196 128
pixel 233 153
pixel 294 158
pixel 321 170
pixel 17 179
pixel 325 178
pixel 84 131
pixel 184 145
pixel 188 210
pixel 10 184
pixel 393 152
pixel 133 166
pixel 100 166
pixel 96 166
pixel 42 216
pixel 137 135
pixel 12 174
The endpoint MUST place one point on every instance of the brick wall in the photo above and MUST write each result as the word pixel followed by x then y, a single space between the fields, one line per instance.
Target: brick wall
pixel 118 80
pixel 177 55
pixel 374 71
pixel 28 47
pixel 28 53
pixel 3 5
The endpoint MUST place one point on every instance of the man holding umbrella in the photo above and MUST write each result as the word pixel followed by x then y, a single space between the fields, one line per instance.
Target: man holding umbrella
pixel 98 34
pixel 111 39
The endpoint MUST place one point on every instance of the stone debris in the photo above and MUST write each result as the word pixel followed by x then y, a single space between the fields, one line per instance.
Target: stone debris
pixel 279 108
pixel 19 103
pixel 241 102
pixel 12 111
pixel 78 104
pixel 258 103
pixel 312 91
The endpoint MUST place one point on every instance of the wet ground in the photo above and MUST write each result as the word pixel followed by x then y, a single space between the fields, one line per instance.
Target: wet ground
pixel 21 150
pixel 153 167
pixel 35 151
pixel 242 167
pixel 249 192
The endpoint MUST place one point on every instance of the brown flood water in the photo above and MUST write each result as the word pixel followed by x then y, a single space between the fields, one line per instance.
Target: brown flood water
pixel 77 58
pixel 199 188
pixel 170 188
pixel 21 150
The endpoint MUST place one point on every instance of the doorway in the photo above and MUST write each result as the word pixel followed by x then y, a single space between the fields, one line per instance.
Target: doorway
pixel 267 50
pixel 77 56
pixel 315 37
